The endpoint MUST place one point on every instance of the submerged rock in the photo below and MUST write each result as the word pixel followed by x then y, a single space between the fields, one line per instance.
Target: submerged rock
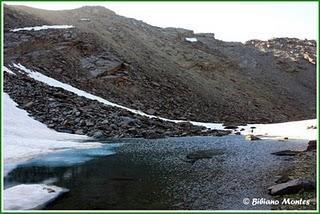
pixel 286 153
pixel 203 154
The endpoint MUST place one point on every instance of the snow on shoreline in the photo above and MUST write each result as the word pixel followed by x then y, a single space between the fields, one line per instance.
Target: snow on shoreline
pixel 30 196
pixel 43 27
pixel 25 138
pixel 293 130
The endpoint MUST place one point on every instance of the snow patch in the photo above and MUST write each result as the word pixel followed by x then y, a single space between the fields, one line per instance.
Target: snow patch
pixel 293 130
pixel 8 70
pixel 30 196
pixel 84 19
pixel 43 27
pixel 191 39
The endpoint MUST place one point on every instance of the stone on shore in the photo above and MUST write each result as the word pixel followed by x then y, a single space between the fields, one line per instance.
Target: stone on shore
pixel 292 187
pixel 312 145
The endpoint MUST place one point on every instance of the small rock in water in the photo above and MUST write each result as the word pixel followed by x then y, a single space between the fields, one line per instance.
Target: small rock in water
pixel 251 137
pixel 292 187
pixel 286 153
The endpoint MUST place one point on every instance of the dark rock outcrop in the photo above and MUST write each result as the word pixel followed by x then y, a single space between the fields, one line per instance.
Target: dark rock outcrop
pixel 312 145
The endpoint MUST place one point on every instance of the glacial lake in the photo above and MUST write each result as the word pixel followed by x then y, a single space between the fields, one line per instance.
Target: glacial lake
pixel 140 174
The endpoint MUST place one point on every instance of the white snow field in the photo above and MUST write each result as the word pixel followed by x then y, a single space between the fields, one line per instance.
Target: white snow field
pixel 293 130
pixel 25 138
pixel 30 196
pixel 43 27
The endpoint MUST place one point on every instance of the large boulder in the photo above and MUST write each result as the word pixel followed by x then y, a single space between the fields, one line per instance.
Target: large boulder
pixel 292 187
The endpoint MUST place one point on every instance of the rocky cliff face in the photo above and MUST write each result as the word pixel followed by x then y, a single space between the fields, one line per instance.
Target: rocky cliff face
pixel 158 71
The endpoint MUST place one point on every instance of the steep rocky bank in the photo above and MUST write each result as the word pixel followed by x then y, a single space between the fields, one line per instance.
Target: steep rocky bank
pixel 66 112
pixel 156 70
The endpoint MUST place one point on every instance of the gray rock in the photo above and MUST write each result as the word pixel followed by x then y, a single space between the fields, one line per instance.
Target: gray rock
pixel 79 131
pixel 113 126
pixel 29 104
pixel 292 187
pixel 127 121
pixel 98 134
pixel 151 111
pixel 89 123
pixel 105 121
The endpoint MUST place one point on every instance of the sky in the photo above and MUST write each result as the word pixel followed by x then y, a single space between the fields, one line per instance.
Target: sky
pixel 229 21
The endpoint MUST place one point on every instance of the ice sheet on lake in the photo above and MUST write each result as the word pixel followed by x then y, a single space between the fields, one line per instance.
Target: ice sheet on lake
pixel 43 27
pixel 30 196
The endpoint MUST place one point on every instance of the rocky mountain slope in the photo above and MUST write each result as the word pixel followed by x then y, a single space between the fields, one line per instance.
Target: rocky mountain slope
pixel 158 71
